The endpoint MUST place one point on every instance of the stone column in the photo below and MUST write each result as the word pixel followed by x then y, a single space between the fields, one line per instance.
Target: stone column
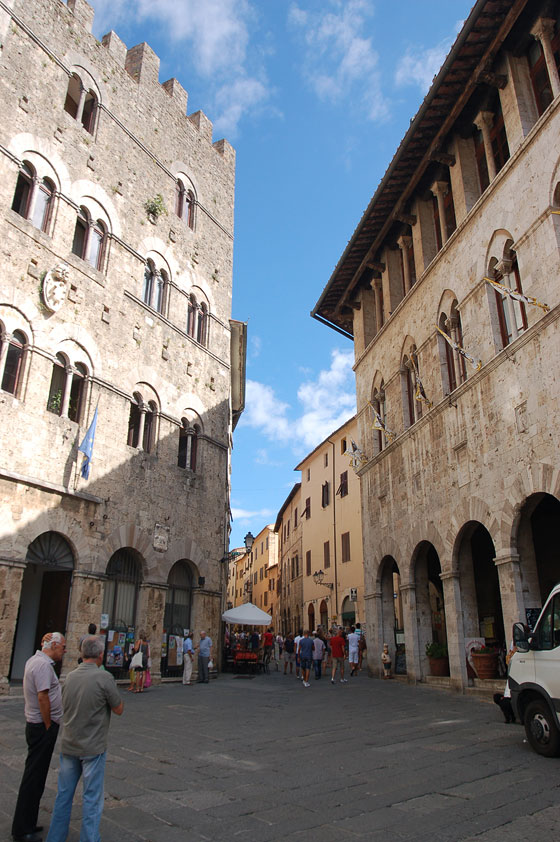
pixel 11 575
pixel 4 353
pixel 66 394
pixel 454 627
pixel 379 317
pixel 484 121
pixel 511 590
pixel 86 604
pixel 543 31
pixel 149 617
pixel 143 408
pixel 81 104
pixel 452 325
pixel 374 631
pixel 439 189
pixel 404 244
pixel 413 668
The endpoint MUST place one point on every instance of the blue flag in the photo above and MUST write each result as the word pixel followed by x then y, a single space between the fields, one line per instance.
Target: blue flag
pixel 86 446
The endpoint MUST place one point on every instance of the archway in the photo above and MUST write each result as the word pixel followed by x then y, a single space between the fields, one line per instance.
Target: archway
pixel 537 544
pixel 348 612
pixel 324 614
pixel 45 594
pixel 480 587
pixel 120 599
pixel 430 610
pixel 311 617
pixel 392 613
pixel 177 618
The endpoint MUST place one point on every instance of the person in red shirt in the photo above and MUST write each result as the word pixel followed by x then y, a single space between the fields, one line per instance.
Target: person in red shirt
pixel 338 652
pixel 268 643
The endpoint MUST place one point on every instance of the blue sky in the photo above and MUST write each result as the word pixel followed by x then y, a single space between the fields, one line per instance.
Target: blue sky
pixel 315 96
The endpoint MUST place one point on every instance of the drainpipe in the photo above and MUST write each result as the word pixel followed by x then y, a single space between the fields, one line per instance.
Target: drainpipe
pixel 335 555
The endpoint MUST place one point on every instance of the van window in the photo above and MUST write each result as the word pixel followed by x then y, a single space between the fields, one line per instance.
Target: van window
pixel 549 626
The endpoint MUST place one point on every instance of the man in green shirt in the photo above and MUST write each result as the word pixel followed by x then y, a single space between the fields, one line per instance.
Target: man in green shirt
pixel 88 697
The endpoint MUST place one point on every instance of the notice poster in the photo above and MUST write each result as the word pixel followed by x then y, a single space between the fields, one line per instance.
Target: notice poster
pixel 115 652
pixel 163 645
pixel 175 651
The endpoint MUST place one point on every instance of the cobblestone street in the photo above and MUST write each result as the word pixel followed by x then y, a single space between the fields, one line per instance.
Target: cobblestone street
pixel 266 759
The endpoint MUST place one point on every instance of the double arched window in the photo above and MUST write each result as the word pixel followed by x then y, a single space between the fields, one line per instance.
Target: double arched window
pixel 90 239
pixel 197 320
pixel 412 408
pixel 142 422
pixel 379 404
pixel 185 203
pixel 12 350
pixel 33 197
pixel 155 291
pixel 67 391
pixel 512 314
pixel 453 368
pixel 81 103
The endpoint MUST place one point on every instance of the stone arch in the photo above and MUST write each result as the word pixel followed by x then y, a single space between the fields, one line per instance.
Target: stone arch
pixel 538 477
pixel 184 549
pixel 130 535
pixel 498 247
pixel 481 597
pixel 446 302
pixel 98 202
pixel 470 509
pixel 21 144
pixel 536 541
pixel 429 602
pixel 52 520
pixel 389 548
pixel 13 318
pixel 420 533
pixel 54 340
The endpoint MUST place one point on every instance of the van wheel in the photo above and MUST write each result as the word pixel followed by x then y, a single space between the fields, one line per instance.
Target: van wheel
pixel 541 729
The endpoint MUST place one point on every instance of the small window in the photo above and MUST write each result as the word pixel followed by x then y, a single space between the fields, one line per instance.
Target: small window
pixel 79 242
pixel 133 438
pixel 308 563
pixel 161 286
pixel 295 518
pixel 73 95
pixel 191 316
pixel 308 474
pixel 24 187
pixel 326 555
pixel 149 283
pixel 343 446
pixel 512 314
pixel 88 112
pixel 307 510
pixel 80 103
pixel 77 393
pixel 326 459
pixel 43 205
pixel 202 324
pixel 345 537
pixel 185 204
pixel 325 495
pixel 58 386
pixel 98 238
pixel 343 487
pixel 14 363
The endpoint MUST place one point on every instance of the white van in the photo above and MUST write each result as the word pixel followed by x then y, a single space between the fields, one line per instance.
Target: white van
pixel 534 678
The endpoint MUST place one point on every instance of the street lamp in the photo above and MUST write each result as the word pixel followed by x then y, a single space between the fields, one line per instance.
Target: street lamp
pixel 318 578
pixel 248 540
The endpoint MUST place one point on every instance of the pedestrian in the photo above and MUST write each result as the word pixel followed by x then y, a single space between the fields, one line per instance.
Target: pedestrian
pixel 204 656
pixel 89 696
pixel 318 655
pixel 362 645
pixel 92 629
pixel 297 639
pixel 268 642
pixel 338 646
pixel 353 651
pixel 188 657
pixel 305 651
pixel 386 661
pixel 289 653
pixel 255 641
pixel 140 661
pixel 43 715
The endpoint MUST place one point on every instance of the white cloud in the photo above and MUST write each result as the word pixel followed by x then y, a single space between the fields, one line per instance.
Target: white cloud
pixel 245 515
pixel 419 65
pixel 216 35
pixel 325 404
pixel 338 60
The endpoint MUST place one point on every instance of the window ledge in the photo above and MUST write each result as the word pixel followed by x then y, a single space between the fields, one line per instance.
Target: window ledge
pixel 86 268
pixel 49 486
pixel 27 227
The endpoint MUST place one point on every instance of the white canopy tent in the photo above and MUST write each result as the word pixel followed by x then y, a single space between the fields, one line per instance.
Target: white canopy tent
pixel 247 615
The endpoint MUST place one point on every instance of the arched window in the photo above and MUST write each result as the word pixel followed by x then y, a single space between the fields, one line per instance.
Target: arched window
pixel 149 283
pixel 134 419
pixel 43 204
pixel 80 103
pixel 79 243
pixel 378 402
pixel 77 393
pixel 98 239
pixel 57 388
pixel 446 352
pixel 185 204
pixel 512 314
pixel 202 324
pixel 24 189
pixel 189 208
pixel 13 362
pixel 407 382
pixel 188 445
pixel 124 574
pixel 191 316
pixel 161 287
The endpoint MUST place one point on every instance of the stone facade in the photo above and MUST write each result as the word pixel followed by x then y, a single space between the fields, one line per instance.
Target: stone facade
pixel 461 491
pixel 117 242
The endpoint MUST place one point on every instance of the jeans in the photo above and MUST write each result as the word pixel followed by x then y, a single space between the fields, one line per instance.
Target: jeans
pixel 317 667
pixel 71 769
pixel 203 669
pixel 40 745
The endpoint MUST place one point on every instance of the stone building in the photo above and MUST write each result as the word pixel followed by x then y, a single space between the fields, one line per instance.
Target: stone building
pixel 331 533
pixel 115 304
pixel 289 530
pixel 457 387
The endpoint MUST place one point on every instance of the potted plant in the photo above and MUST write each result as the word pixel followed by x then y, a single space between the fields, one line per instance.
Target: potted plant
pixel 438 657
pixel 485 661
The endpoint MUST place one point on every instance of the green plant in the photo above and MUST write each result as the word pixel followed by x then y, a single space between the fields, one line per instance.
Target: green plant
pixel 55 401
pixel 436 650
pixel 156 206
pixel 485 650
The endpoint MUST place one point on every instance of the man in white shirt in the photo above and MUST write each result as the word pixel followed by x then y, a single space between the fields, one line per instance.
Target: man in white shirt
pixel 353 651
pixel 188 657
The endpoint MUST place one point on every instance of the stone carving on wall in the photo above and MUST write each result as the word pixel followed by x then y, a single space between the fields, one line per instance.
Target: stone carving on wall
pixel 161 538
pixel 55 287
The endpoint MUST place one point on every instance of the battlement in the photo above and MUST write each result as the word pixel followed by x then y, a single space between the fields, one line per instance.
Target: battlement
pixel 142 64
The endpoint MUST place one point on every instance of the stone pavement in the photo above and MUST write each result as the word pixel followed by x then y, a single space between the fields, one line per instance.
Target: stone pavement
pixel 266 759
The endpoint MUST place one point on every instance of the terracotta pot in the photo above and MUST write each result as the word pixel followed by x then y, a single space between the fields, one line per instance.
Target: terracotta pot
pixel 485 664
pixel 439 666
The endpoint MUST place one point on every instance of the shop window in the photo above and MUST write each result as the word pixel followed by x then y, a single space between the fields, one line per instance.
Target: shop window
pixel 13 362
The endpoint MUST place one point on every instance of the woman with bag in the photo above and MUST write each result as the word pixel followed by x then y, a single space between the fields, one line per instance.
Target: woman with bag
pixel 139 661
